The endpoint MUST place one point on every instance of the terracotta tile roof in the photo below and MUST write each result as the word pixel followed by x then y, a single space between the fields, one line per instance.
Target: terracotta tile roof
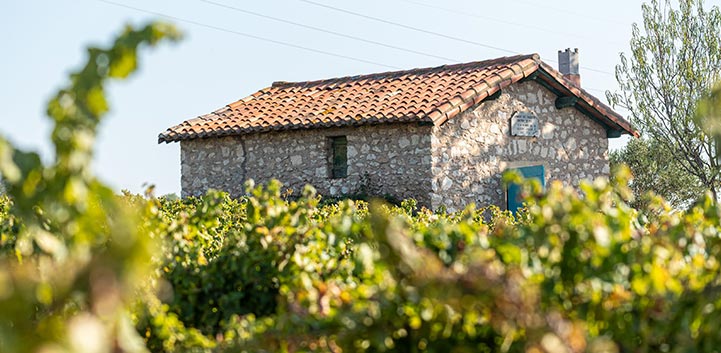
pixel 431 95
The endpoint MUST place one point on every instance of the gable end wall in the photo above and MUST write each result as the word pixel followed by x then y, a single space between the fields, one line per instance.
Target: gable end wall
pixel 472 150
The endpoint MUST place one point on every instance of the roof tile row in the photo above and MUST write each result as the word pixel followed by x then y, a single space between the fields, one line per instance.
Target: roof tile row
pixel 431 95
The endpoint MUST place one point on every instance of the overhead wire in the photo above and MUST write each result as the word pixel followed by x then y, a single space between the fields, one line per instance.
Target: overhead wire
pixel 556 9
pixel 421 30
pixel 302 25
pixel 339 34
pixel 247 35
pixel 490 18
pixel 252 36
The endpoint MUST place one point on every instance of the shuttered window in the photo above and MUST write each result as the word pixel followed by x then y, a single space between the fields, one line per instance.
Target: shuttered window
pixel 339 157
pixel 533 172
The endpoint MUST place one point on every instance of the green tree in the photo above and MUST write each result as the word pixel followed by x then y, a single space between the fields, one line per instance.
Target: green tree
pixel 675 59
pixel 655 171
pixel 708 115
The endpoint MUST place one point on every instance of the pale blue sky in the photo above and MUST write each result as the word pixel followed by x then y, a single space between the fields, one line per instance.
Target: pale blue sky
pixel 43 40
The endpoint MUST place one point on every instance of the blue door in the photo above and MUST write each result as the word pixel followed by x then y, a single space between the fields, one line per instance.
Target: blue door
pixel 514 190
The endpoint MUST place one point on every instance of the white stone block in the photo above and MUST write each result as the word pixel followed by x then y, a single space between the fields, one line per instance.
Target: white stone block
pixel 436 200
pixel 571 144
pixel 547 131
pixel 447 183
pixel 522 146
pixel 404 142
pixel 352 151
pixel 532 99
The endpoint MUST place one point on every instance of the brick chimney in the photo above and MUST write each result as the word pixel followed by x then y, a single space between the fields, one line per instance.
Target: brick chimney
pixel 568 65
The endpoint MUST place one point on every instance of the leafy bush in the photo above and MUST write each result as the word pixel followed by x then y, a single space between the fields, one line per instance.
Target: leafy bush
pixel 9 228
pixel 85 270
pixel 575 272
pixel 72 254
pixel 579 273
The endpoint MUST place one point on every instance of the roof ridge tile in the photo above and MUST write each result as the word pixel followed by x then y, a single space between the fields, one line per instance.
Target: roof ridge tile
pixel 484 63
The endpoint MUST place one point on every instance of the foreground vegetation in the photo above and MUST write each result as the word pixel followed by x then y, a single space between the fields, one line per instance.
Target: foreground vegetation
pixel 572 274
pixel 85 270
pixel 268 274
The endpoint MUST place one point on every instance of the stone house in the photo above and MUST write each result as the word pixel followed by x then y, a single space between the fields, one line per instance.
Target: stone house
pixel 441 135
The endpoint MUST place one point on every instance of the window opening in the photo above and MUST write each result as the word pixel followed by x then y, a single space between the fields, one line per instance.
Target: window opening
pixel 514 200
pixel 339 157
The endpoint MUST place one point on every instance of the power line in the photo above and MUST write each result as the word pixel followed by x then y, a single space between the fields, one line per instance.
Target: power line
pixel 318 51
pixel 586 68
pixel 421 30
pixel 489 18
pixel 221 29
pixel 329 31
pixel 409 27
pixel 544 6
pixel 474 15
pixel 595 89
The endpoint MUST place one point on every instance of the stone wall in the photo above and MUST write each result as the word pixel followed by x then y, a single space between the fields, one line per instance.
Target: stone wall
pixel 453 164
pixel 392 160
pixel 471 151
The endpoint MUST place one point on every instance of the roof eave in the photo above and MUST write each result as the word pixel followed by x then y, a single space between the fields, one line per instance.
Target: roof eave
pixel 587 103
pixel 524 68
pixel 170 136
pixel 487 89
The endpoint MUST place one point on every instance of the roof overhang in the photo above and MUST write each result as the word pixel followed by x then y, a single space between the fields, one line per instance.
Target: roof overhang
pixel 501 73
pixel 569 95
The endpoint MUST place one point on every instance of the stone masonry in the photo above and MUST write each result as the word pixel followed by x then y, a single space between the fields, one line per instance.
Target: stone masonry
pixel 392 159
pixel 471 151
pixel 456 163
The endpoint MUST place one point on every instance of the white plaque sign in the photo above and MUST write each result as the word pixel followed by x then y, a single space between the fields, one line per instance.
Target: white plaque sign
pixel 524 124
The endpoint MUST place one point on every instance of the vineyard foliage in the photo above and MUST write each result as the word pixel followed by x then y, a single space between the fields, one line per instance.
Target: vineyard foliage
pixel 85 270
